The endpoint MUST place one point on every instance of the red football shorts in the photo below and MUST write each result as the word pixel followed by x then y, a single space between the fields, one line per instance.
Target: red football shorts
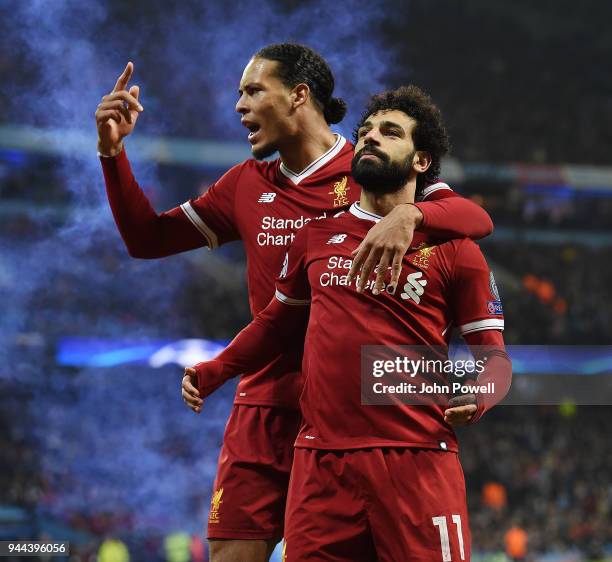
pixel 250 491
pixel 369 505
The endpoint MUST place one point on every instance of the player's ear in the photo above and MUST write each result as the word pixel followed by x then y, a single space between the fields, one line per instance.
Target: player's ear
pixel 421 161
pixel 300 95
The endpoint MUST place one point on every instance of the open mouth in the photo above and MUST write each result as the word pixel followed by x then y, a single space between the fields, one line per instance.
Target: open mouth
pixel 253 130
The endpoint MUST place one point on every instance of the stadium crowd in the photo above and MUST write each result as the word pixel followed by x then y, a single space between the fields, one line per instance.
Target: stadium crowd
pixel 551 468
pixel 500 73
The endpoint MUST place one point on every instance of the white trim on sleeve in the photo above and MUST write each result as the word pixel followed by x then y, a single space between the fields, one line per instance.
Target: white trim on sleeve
pixel 195 219
pixel 433 187
pixel 479 325
pixel 289 300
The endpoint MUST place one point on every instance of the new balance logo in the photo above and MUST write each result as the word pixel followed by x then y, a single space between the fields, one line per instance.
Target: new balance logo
pixel 266 198
pixel 337 239
pixel 415 287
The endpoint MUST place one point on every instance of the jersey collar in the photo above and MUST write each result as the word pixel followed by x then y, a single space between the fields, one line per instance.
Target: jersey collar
pixel 356 210
pixel 317 164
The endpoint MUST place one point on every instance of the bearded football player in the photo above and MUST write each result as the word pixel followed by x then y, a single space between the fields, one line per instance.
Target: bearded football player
pixel 376 483
pixel 285 100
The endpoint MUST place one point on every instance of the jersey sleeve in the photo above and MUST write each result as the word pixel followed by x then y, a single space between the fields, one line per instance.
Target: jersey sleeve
pixel 206 221
pixel 278 326
pixel 447 215
pixel 292 286
pixel 435 191
pixel 213 213
pixel 488 347
pixel 476 304
pixel 271 332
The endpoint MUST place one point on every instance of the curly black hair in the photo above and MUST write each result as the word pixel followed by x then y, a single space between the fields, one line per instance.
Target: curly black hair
pixel 299 64
pixel 429 134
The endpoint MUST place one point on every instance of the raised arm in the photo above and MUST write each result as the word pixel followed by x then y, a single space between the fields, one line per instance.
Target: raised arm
pixel 206 221
pixel 145 233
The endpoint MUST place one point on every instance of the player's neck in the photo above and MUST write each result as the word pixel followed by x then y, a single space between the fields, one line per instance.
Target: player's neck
pixel 308 145
pixel 383 204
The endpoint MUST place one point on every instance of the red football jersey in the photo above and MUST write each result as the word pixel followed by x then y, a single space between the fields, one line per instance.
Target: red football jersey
pixel 264 204
pixel 442 284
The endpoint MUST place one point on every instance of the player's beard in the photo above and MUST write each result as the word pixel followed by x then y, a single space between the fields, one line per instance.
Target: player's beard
pixel 380 176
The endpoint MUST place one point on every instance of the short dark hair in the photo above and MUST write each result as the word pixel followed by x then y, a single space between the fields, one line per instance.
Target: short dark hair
pixel 429 133
pixel 298 64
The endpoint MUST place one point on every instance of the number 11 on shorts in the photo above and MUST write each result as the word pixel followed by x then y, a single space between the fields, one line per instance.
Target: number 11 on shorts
pixel 440 522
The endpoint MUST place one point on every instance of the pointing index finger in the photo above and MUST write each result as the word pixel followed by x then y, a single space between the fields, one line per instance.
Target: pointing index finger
pixel 123 80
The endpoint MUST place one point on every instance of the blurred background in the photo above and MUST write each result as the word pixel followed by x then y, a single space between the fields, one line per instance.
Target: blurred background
pixel 96 445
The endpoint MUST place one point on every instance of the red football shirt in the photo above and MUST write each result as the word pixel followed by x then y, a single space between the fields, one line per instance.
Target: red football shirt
pixel 264 204
pixel 442 284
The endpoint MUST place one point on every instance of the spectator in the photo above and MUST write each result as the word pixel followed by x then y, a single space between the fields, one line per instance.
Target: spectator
pixel 113 550
pixel 516 543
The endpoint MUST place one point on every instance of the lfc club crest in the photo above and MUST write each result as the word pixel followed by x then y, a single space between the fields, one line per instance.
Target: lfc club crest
pixel 215 503
pixel 425 252
pixel 340 190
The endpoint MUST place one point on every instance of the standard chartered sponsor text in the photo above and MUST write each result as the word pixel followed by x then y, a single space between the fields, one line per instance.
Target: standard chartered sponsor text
pixel 334 278
pixel 270 224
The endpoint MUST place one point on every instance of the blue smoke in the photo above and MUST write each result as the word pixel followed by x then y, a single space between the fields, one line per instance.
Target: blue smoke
pixel 123 443
pixel 63 71
pixel 110 438
pixel 219 39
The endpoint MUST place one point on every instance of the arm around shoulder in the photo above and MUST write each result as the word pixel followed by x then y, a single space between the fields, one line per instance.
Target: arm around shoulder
pixel 448 215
